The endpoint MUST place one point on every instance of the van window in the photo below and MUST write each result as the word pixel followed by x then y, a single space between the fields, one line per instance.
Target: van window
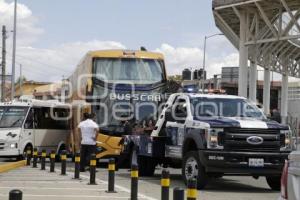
pixel 44 120
pixel 29 120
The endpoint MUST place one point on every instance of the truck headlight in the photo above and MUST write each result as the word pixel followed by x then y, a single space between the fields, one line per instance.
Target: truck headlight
pixel 287 145
pixel 213 136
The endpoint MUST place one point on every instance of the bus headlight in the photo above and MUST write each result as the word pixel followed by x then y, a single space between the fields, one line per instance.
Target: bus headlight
pixel 212 136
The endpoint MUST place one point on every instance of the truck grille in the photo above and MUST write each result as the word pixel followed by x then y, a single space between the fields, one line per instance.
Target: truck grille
pixel 236 139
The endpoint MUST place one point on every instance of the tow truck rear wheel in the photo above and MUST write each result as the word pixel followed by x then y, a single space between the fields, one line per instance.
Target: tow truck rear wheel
pixel 274 182
pixel 192 168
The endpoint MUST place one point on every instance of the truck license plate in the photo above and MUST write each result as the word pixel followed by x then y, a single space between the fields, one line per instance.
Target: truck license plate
pixel 256 162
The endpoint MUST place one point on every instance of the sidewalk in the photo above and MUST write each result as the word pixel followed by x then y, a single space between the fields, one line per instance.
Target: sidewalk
pixel 37 184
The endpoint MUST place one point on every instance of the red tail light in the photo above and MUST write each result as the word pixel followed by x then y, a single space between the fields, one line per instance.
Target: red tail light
pixel 284 180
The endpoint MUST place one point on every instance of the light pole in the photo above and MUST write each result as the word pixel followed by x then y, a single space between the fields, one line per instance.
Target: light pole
pixel 14 53
pixel 204 54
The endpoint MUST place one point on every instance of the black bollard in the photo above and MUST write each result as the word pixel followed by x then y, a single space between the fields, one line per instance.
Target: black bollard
pixel 43 159
pixel 77 166
pixel 63 162
pixel 52 161
pixel 35 155
pixel 192 189
pixel 134 181
pixel 178 194
pixel 15 195
pixel 93 170
pixel 28 157
pixel 111 176
pixel 165 185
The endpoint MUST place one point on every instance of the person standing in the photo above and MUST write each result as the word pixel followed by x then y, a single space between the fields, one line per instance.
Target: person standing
pixel 88 130
pixel 275 115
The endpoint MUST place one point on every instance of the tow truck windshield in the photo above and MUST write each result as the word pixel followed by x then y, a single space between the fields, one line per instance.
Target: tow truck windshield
pixel 224 107
pixel 12 117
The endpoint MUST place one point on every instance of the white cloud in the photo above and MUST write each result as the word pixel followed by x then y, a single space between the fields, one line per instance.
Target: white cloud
pixel 52 64
pixel 180 58
pixel 27 29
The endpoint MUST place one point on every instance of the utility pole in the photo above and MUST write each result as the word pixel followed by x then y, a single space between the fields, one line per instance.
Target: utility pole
pixel 14 54
pixel 21 81
pixel 3 63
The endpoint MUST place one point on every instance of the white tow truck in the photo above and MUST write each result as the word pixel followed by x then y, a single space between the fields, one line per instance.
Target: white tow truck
pixel 210 135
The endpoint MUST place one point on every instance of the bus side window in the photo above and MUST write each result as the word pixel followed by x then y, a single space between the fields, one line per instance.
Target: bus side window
pixel 29 120
pixel 62 123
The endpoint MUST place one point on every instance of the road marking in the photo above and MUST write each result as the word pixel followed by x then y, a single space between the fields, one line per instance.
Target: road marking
pixel 47 188
pixel 124 189
pixel 38 181
pixel 69 196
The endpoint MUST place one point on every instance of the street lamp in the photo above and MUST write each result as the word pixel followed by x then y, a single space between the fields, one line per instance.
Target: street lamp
pixel 14 53
pixel 204 54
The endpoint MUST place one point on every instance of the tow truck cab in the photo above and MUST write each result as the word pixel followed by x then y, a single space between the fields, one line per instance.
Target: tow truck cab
pixel 214 135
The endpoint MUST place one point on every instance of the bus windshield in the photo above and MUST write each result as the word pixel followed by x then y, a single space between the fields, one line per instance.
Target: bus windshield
pixel 12 116
pixel 133 70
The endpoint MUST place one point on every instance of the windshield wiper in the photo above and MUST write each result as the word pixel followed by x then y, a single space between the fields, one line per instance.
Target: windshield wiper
pixel 14 123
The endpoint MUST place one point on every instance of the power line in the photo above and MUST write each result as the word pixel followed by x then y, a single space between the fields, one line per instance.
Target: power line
pixel 35 71
pixel 43 64
pixel 55 67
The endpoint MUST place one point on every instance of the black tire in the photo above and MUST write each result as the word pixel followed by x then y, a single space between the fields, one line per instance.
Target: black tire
pixel 192 168
pixel 23 156
pixel 57 157
pixel 146 166
pixel 274 182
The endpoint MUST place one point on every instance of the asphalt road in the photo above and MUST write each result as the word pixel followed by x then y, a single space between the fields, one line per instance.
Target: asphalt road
pixel 227 188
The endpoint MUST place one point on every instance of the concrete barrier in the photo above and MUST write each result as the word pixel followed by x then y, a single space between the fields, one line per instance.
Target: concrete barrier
pixel 9 166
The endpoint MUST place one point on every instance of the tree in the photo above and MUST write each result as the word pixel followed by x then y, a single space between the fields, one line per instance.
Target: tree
pixel 23 78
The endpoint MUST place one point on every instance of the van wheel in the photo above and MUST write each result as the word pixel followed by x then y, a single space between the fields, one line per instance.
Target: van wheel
pixel 193 169
pixel 146 166
pixel 57 157
pixel 274 182
pixel 23 156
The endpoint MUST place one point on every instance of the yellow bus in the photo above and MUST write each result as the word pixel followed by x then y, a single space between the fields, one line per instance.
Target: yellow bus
pixel 123 88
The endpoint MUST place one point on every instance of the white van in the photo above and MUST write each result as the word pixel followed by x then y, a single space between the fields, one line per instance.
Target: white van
pixel 25 124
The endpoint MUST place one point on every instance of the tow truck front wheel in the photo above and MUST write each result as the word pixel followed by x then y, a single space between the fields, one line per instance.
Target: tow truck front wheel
pixel 192 168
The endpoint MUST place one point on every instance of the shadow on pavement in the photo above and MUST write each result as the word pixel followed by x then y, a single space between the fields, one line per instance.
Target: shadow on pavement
pixel 218 185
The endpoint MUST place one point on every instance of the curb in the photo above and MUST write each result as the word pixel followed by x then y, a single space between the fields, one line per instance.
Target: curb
pixel 10 166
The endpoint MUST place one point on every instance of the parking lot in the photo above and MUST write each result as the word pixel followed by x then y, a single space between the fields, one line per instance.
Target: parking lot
pixel 36 183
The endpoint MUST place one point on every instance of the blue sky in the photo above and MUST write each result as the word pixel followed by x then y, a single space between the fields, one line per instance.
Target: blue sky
pixel 134 22
pixel 58 33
